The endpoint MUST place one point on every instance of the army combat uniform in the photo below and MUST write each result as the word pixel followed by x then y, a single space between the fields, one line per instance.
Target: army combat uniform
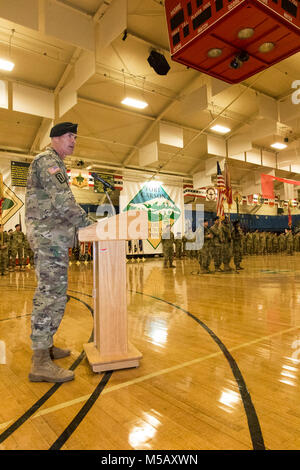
pixel 205 252
pixel 17 248
pixel 237 236
pixel 216 243
pixel 226 248
pixel 167 246
pixel 51 216
pixel 3 252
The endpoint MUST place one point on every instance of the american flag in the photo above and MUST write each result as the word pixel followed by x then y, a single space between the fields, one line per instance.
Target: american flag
pixel 228 191
pixel 221 188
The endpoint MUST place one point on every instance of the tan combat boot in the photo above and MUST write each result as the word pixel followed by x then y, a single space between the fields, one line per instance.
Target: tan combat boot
pixel 44 370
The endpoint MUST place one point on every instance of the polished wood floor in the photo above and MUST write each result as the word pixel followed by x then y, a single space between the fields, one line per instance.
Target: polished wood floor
pixel 220 367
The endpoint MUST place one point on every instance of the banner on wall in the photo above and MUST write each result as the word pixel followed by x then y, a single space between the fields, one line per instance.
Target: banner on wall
pixel 11 204
pixel 19 173
pixel 164 205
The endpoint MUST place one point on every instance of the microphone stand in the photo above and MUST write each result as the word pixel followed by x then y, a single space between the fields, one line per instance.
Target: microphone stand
pixel 108 197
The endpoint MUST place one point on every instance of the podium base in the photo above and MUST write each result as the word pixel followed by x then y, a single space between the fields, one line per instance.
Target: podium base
pixel 101 363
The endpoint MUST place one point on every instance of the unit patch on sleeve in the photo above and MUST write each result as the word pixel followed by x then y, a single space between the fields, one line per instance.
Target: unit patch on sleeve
pixel 61 178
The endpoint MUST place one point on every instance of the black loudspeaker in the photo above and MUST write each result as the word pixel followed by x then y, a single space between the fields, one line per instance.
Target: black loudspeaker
pixel 158 63
pixel 280 211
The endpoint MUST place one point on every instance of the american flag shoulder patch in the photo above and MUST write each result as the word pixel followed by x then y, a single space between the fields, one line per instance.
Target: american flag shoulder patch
pixel 53 170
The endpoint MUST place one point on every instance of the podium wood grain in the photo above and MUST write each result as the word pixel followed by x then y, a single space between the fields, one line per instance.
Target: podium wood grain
pixel 111 349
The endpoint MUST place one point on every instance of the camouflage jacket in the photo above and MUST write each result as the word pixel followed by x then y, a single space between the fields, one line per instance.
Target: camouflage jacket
pixel 17 238
pixel 51 209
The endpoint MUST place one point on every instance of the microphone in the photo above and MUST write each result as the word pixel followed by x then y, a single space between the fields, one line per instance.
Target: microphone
pixel 105 183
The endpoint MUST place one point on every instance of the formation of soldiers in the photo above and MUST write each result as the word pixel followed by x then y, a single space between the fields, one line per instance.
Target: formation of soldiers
pixel 13 245
pixel 224 242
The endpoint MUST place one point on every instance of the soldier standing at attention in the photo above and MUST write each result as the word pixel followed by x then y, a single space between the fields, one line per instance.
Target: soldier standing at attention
pixel 28 253
pixel 205 252
pixel 3 251
pixel 52 216
pixel 178 246
pixel 237 235
pixel 10 242
pixel 289 241
pixel 18 239
pixel 217 242
pixel 227 248
pixel 167 240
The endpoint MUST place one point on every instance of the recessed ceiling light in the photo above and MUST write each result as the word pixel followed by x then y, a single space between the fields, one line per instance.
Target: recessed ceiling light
pixel 215 52
pixel 135 103
pixel 266 47
pixel 6 65
pixel 220 129
pixel 245 33
pixel 278 145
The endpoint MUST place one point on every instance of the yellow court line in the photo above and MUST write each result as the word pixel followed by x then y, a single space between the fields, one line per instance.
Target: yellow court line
pixel 114 388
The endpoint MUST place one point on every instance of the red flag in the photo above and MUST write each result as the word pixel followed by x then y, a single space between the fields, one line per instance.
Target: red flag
pixel 221 192
pixel 267 186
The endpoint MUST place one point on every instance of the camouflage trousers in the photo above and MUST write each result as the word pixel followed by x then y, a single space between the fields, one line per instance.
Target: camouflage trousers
pixel 205 257
pixel 3 260
pixel 227 253
pixel 237 255
pixel 217 255
pixel 168 256
pixel 50 298
pixel 17 250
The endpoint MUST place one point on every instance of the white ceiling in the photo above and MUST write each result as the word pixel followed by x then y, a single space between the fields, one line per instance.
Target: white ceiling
pixel 110 134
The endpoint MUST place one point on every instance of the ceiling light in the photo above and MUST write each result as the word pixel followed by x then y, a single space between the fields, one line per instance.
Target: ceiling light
pixel 278 145
pixel 135 103
pixel 245 33
pixel 215 52
pixel 6 65
pixel 220 129
pixel 266 47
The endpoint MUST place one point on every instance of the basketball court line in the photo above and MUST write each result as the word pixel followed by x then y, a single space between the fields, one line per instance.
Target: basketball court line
pixel 161 372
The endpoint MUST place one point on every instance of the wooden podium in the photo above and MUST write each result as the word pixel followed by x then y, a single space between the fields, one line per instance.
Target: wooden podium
pixel 111 349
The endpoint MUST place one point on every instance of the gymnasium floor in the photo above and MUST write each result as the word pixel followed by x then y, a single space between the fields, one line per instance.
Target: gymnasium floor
pixel 220 365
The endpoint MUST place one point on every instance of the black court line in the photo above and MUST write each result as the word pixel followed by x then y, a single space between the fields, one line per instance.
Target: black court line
pixel 252 419
pixel 253 422
pixel 67 433
pixel 14 426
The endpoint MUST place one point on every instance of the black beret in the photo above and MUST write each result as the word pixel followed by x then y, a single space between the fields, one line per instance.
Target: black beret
pixel 62 128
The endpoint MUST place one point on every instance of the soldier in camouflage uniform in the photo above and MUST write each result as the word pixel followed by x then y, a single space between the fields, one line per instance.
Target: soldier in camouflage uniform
pixel 217 243
pixel 178 246
pixel 256 240
pixel 289 241
pixel 52 216
pixel 275 243
pixel 10 266
pixel 269 243
pixel 249 242
pixel 263 243
pixel 237 236
pixel 167 245
pixel 28 253
pixel 17 247
pixel 3 251
pixel 227 245
pixel 282 242
pixel 205 251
